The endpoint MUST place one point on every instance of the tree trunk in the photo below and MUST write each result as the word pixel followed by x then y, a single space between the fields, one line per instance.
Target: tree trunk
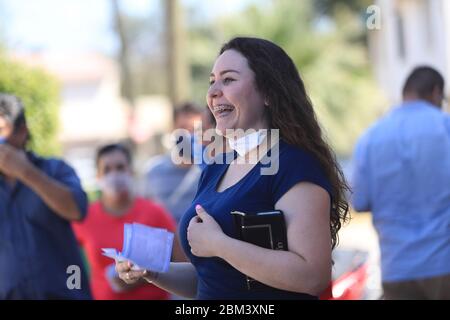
pixel 176 55
pixel 127 89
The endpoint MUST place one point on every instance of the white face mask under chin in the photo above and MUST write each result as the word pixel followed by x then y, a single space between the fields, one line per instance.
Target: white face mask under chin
pixel 245 144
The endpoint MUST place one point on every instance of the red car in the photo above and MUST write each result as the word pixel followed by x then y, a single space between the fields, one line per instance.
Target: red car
pixel 350 274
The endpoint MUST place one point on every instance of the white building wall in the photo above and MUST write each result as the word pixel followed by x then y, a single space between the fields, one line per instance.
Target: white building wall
pixel 424 27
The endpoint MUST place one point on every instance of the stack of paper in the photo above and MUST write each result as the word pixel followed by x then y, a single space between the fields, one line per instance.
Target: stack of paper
pixel 146 247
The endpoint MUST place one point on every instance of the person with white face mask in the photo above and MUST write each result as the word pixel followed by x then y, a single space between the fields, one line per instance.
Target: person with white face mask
pixel 116 189
pixel 174 184
pixel 105 221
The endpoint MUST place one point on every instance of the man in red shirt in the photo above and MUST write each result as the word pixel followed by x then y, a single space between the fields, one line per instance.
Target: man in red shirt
pixel 104 224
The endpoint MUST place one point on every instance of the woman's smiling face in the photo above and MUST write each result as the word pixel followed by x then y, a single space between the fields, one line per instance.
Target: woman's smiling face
pixel 233 97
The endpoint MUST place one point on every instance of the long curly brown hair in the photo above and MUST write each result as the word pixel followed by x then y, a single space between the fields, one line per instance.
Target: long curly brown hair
pixel 290 110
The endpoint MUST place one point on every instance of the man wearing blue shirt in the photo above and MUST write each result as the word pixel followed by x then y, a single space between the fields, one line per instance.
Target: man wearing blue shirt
pixel 39 256
pixel 174 185
pixel 402 175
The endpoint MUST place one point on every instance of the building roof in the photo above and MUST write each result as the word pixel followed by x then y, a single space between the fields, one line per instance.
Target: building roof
pixel 70 66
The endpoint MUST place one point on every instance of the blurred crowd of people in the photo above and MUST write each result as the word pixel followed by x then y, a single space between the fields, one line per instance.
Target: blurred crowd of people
pixel 42 201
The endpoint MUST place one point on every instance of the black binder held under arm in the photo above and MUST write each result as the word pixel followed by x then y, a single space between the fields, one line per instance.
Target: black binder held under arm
pixel 264 229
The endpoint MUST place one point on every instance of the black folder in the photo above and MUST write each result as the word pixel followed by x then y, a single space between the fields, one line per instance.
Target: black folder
pixel 265 229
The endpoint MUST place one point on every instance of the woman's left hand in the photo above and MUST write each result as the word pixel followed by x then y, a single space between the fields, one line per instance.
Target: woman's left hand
pixel 204 234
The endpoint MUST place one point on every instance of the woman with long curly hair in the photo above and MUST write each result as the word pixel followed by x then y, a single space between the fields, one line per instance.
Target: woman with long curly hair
pixel 254 85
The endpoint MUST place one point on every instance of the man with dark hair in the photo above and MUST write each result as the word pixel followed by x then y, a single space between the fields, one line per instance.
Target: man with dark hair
pixel 39 256
pixel 173 185
pixel 184 112
pixel 402 175
pixel 424 83
pixel 118 204
pixel 111 148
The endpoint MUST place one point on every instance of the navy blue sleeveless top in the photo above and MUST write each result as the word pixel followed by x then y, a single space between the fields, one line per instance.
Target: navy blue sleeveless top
pixel 253 193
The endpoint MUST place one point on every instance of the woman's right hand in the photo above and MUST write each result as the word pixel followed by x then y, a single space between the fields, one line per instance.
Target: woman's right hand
pixel 129 276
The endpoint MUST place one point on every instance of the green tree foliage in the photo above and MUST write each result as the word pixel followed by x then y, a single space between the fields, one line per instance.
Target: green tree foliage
pixel 328 51
pixel 40 95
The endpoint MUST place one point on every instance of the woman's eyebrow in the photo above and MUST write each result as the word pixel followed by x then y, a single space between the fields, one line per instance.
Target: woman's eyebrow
pixel 224 71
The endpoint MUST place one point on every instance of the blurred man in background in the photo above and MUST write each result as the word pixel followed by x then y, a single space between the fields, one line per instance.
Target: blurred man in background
pixel 402 175
pixel 170 184
pixel 38 199
pixel 104 226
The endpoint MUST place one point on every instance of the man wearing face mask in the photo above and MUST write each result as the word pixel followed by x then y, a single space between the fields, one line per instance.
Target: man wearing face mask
pixel 38 199
pixel 172 184
pixel 103 227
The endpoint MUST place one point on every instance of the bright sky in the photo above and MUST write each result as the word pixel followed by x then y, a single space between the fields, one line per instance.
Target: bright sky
pixel 80 25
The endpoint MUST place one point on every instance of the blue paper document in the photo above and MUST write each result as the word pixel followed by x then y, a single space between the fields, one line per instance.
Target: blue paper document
pixel 146 247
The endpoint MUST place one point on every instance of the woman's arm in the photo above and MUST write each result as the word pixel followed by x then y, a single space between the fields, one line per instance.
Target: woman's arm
pixel 177 252
pixel 306 267
pixel 181 279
